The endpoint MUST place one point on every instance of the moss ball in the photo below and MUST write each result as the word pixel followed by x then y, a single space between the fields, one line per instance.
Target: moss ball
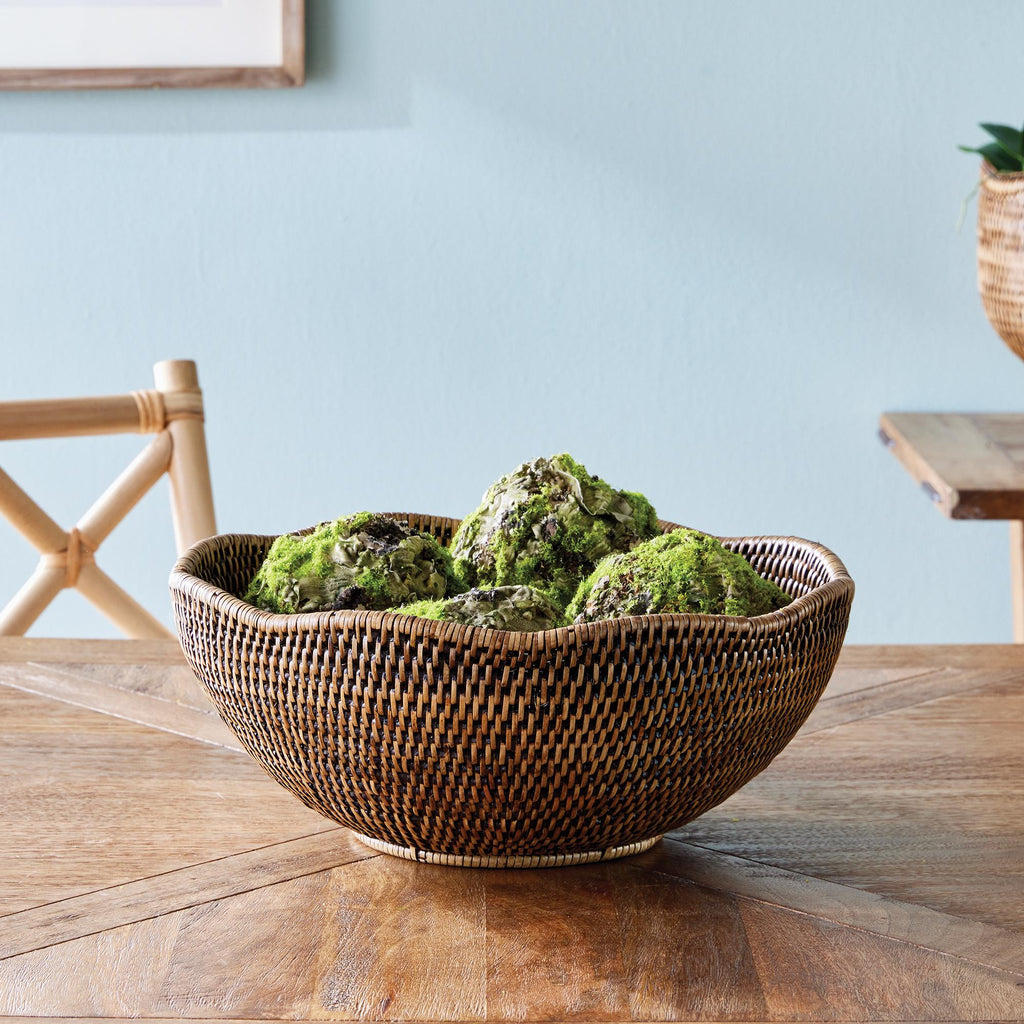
pixel 512 607
pixel 682 571
pixel 546 525
pixel 364 561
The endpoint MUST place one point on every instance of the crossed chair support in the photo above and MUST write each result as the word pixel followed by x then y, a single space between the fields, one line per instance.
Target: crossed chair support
pixel 173 411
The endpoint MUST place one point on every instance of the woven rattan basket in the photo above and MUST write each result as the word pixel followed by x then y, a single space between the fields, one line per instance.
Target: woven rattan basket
pixel 1001 253
pixel 461 745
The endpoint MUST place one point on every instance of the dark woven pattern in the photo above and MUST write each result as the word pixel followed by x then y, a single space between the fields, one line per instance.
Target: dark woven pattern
pixel 469 741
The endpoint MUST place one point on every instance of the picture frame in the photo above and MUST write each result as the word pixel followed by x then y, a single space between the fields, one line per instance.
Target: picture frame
pixel 158 44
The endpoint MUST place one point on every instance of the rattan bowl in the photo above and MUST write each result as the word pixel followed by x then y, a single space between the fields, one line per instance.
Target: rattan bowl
pixel 461 745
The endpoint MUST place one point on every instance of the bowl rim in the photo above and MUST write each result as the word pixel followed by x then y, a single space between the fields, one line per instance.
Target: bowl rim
pixel 182 580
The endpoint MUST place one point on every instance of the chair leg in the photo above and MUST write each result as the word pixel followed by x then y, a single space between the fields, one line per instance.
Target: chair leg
pixel 189 471
pixel 1017 578
pixel 30 601
pixel 119 606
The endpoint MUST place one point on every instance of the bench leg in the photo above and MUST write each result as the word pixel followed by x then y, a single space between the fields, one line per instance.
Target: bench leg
pixel 1017 577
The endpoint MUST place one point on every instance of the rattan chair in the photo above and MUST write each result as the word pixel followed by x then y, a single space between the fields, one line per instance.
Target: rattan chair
pixel 173 411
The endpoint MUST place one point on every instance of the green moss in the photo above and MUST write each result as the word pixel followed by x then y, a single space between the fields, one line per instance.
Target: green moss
pixel 545 525
pixel 519 608
pixel 365 560
pixel 568 464
pixel 374 581
pixel 643 512
pixel 428 608
pixel 464 568
pixel 355 522
pixel 681 571
pixel 294 558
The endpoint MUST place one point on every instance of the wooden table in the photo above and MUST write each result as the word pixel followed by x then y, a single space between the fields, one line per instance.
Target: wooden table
pixel 149 869
pixel 971 465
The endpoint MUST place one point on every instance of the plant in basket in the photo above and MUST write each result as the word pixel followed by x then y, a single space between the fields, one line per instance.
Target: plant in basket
pixel 1001 231
pixel 560 677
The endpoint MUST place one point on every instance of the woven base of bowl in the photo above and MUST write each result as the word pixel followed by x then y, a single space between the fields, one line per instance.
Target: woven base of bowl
pixel 554 860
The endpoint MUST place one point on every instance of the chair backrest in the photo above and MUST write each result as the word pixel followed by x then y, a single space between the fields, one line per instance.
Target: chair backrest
pixel 173 411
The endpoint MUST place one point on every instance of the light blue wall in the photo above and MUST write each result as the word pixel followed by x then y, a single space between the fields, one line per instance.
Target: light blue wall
pixel 698 244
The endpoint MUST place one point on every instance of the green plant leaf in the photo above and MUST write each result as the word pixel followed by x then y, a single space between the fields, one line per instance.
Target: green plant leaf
pixel 1009 138
pixel 997 157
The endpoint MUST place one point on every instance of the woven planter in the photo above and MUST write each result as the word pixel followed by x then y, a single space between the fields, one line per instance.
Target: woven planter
pixel 1001 253
pixel 462 745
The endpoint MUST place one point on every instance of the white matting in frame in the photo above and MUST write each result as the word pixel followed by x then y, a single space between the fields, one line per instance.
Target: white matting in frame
pixel 140 36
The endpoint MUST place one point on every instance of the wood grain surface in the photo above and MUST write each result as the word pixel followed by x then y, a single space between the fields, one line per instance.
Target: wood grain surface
pixel 148 869
pixel 90 801
pixel 970 464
